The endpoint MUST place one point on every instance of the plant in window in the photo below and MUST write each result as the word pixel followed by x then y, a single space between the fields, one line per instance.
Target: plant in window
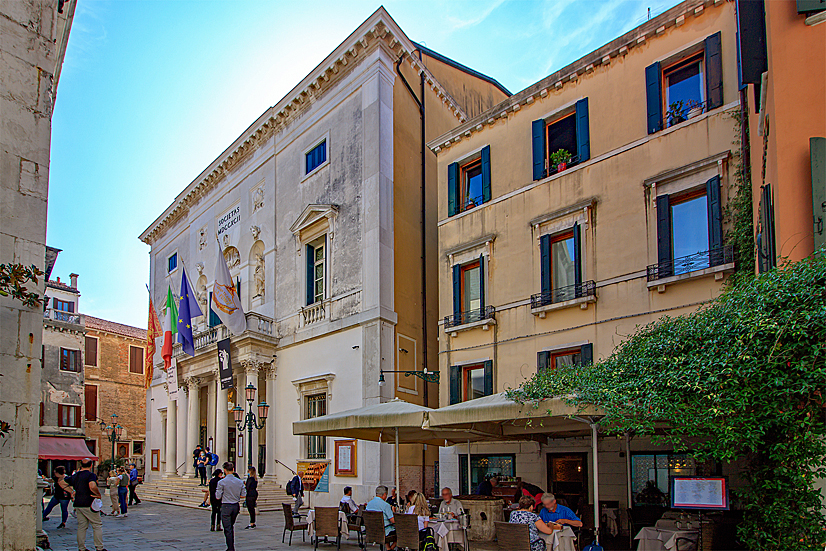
pixel 560 159
pixel 676 113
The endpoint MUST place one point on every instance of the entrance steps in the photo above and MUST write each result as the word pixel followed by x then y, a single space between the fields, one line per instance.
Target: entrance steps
pixel 185 492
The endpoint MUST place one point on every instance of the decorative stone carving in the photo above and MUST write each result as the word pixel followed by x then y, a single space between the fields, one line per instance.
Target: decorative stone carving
pixel 251 366
pixel 258 199
pixel 258 275
pixel 200 267
pixel 202 239
pixel 256 230
pixel 192 383
pixel 226 240
pixel 232 256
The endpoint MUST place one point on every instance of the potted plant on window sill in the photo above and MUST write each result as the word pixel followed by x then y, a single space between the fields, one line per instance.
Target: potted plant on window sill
pixel 676 113
pixel 694 108
pixel 560 159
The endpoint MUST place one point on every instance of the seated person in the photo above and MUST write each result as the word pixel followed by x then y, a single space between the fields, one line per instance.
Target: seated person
pixel 557 513
pixel 421 509
pixel 392 500
pixel 348 503
pixel 449 506
pixel 528 489
pixel 486 487
pixel 525 515
pixel 379 504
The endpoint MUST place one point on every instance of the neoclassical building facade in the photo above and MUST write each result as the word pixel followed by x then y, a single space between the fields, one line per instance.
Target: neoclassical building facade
pixel 320 209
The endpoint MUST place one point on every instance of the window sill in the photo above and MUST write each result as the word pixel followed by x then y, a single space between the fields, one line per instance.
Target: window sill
pixel 484 324
pixel 717 271
pixel 315 171
pixel 470 209
pixel 582 302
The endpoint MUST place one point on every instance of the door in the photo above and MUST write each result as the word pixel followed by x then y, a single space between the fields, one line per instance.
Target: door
pixel 568 478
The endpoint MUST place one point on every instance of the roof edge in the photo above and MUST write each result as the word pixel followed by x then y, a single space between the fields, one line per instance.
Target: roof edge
pixel 464 68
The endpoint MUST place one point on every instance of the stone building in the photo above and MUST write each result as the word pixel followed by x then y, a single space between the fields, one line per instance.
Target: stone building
pixel 320 209
pixel 575 210
pixel 35 35
pixel 114 368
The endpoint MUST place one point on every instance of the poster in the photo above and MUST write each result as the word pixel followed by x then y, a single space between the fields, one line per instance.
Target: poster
pixel 172 380
pixel 345 458
pixel 693 492
pixel 224 364
pixel 314 475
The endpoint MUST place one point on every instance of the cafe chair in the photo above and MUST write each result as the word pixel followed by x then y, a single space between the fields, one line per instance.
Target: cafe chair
pixel 374 530
pixel 291 525
pixel 326 525
pixel 512 537
pixel 355 522
pixel 685 544
pixel 407 532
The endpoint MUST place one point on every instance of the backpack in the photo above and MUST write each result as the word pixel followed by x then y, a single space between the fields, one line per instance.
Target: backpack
pixel 291 487
pixel 428 543
pixel 593 547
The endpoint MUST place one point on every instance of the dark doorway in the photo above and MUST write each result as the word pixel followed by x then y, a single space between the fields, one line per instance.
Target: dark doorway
pixel 231 445
pixel 568 478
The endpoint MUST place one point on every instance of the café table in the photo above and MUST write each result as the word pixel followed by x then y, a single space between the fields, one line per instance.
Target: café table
pixel 342 524
pixel 560 540
pixel 448 531
pixel 660 539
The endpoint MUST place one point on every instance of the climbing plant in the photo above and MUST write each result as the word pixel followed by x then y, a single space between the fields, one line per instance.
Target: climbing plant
pixel 13 280
pixel 738 209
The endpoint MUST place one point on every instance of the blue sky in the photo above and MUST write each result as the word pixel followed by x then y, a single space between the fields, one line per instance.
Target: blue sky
pixel 153 91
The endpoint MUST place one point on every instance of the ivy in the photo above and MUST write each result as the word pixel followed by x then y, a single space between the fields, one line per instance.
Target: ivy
pixel 738 209
pixel 742 378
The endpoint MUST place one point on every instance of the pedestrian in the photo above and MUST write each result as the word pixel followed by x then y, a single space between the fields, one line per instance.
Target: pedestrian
pixel 59 496
pixel 251 485
pixel 133 483
pixel 85 490
pixel 298 493
pixel 112 483
pixel 123 491
pixel 196 453
pixel 213 461
pixel 230 490
pixel 200 465
pixel 215 502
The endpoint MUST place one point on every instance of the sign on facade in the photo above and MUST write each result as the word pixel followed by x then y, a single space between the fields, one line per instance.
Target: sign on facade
pixel 314 475
pixel 225 364
pixel 172 380
pixel 229 219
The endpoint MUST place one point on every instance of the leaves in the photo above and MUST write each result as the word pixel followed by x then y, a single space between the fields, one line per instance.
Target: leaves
pixel 13 279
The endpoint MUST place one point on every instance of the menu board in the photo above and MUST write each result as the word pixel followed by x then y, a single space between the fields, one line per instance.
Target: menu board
pixel 346 458
pixel 695 492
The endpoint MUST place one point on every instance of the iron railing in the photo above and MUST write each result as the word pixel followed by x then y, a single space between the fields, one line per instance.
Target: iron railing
pixel 561 294
pixel 691 263
pixel 62 315
pixel 471 202
pixel 681 113
pixel 573 161
pixel 476 314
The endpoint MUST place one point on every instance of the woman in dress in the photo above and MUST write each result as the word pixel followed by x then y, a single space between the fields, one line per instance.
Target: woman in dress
pixel 525 515
pixel 252 494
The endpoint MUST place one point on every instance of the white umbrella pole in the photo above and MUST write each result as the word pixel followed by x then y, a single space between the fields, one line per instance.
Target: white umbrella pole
pixel 469 488
pixel 595 452
pixel 398 488
pixel 628 467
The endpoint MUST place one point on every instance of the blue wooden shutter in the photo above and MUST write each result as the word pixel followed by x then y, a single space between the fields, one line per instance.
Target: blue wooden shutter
pixel 817 154
pixel 310 252
pixel 457 292
pixel 715 216
pixel 486 174
pixel 665 267
pixel 714 71
pixel 455 384
pixel 653 98
pixel 481 284
pixel 586 354
pixel 583 137
pixel 545 264
pixel 488 378
pixel 538 131
pixel 452 188
pixel 577 259
pixel 752 57
pixel 542 360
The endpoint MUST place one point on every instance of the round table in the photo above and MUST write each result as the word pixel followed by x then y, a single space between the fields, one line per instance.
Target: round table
pixel 560 540
pixel 448 531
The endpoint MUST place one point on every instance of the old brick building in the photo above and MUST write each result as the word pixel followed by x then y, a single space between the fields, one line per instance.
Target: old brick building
pixel 114 367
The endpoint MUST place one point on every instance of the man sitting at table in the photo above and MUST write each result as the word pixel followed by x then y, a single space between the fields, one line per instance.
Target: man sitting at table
pixel 347 503
pixel 379 504
pixel 554 512
pixel 449 506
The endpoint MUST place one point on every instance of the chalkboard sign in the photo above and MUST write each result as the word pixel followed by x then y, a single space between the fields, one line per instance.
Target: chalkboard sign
pixel 698 492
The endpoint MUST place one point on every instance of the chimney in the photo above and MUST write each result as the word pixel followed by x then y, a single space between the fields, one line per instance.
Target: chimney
pixel 58 279
pixel 73 277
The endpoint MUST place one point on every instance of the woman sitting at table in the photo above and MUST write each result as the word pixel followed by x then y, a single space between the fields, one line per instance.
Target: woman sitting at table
pixel 525 515
pixel 421 509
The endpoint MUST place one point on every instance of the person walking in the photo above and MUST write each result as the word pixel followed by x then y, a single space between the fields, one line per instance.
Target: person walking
pixel 212 460
pixel 230 490
pixel 123 491
pixel 59 496
pixel 196 453
pixel 133 483
pixel 85 490
pixel 251 485
pixel 112 483
pixel 215 502
pixel 200 465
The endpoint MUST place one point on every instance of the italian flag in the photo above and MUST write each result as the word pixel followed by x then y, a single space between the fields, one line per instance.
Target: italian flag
pixel 170 327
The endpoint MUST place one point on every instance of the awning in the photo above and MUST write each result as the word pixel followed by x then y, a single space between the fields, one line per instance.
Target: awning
pixel 61 447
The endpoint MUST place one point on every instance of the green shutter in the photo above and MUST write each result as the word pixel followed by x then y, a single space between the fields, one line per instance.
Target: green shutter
pixel 817 151
pixel 310 252
pixel 486 174
pixel 586 354
pixel 452 188
pixel 766 253
pixel 488 378
pixel 538 133
pixel 714 71
pixel 577 259
pixel 715 215
pixel 545 264
pixel 481 284
pixel 455 384
pixel 583 137
pixel 810 6
pixel 542 359
pixel 665 267
pixel 653 98
pixel 457 292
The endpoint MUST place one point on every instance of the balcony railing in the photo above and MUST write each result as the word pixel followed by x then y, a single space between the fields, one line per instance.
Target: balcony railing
pixel 314 313
pixel 681 113
pixel 256 323
pixel 691 263
pixel 60 315
pixel 555 169
pixel 471 316
pixel 471 202
pixel 561 294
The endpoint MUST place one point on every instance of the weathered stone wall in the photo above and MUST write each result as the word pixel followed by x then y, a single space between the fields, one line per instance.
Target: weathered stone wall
pixel 58 386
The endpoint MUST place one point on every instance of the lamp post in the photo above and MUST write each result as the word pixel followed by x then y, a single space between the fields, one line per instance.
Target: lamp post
pixel 425 375
pixel 250 421
pixel 113 432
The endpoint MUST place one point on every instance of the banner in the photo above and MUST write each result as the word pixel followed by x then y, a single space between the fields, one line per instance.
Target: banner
pixel 225 364
pixel 172 379
pixel 314 475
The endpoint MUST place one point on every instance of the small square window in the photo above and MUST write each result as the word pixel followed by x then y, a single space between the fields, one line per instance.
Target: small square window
pixel 316 157
pixel 68 416
pixel 172 263
pixel 137 447
pixel 70 360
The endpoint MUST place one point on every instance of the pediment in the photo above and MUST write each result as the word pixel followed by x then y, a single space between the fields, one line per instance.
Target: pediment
pixel 313 214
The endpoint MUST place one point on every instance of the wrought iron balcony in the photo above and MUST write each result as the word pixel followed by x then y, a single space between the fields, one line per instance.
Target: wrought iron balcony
pixel 256 324
pixel 562 294
pixel 61 315
pixel 471 316
pixel 691 263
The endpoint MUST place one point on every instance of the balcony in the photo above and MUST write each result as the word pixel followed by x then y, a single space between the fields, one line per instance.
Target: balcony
pixel 65 317
pixel 715 261
pixel 257 325
pixel 314 313
pixel 478 317
pixel 564 297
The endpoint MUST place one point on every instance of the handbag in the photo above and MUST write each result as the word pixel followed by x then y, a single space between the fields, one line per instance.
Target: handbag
pixel 97 505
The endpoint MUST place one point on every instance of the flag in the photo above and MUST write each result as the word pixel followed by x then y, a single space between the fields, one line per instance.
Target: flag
pixel 170 327
pixel 153 331
pixel 225 301
pixel 187 309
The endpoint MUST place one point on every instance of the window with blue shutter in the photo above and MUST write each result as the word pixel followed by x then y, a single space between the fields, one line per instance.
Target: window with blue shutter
pixel 538 148
pixel 571 357
pixel 468 382
pixel 452 189
pixel 543 361
pixel 455 384
pixel 560 267
pixel 715 215
pixel 583 135
pixel 172 262
pixel 653 98
pixel 665 266
pixel 316 157
pixel 468 184
pixel 486 174
pixel 457 292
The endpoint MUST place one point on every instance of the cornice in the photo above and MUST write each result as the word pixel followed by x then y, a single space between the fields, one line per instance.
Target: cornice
pixel 378 31
pixel 569 75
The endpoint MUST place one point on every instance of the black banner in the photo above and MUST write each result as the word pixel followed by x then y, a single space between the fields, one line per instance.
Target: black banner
pixel 224 364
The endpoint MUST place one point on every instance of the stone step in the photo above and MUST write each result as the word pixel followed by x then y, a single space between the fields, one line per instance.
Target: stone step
pixel 186 492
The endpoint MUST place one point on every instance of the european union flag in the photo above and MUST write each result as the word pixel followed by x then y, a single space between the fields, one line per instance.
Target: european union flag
pixel 186 309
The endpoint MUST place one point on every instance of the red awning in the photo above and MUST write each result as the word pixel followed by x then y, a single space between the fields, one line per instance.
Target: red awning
pixel 59 447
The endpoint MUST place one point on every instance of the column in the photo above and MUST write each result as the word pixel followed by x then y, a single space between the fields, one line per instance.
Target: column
pixel 221 422
pixel 182 412
pixel 171 438
pixel 269 428
pixel 211 403
pixel 193 385
pixel 251 369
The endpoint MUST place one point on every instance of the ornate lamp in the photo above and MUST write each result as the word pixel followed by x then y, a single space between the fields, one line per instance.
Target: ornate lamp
pixel 238 413
pixel 249 421
pixel 263 410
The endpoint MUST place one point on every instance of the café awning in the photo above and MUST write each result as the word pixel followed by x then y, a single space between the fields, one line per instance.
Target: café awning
pixel 61 447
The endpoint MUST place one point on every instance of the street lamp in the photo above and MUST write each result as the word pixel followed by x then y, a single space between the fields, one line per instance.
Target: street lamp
pixel 250 421
pixel 112 432
pixel 425 375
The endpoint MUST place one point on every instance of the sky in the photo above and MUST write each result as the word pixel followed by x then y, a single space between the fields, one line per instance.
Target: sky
pixel 152 91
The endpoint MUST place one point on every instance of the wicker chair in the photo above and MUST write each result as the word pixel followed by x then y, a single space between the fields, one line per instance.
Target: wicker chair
pixel 512 537
pixel 407 531
pixel 354 521
pixel 326 525
pixel 291 525
pixel 374 530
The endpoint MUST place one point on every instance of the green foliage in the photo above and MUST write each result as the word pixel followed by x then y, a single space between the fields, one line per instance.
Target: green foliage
pixel 738 209
pixel 558 157
pixel 743 378
pixel 13 279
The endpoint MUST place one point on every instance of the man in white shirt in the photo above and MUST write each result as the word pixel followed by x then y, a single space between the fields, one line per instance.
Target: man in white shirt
pixel 352 508
pixel 452 507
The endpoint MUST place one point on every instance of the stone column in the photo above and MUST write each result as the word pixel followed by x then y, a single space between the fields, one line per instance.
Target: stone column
pixel 251 368
pixel 180 440
pixel 221 422
pixel 193 385
pixel 211 413
pixel 269 428
pixel 171 438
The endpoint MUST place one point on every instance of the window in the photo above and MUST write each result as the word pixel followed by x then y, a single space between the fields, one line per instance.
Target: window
pixel 561 141
pixel 123 450
pixel 172 263
pixel 316 407
pixel 572 357
pixel 63 305
pixel 92 445
pixel 689 230
pixel 468 382
pixel 136 359
pixel 650 474
pixel 471 286
pixel 137 447
pixel 316 157
pixel 684 87
pixel 68 416
pixel 70 360
pixel 316 267
pixel 561 268
pixel 91 355
pixel 482 467
pixel 91 396
pixel 468 183
pixel 468 293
